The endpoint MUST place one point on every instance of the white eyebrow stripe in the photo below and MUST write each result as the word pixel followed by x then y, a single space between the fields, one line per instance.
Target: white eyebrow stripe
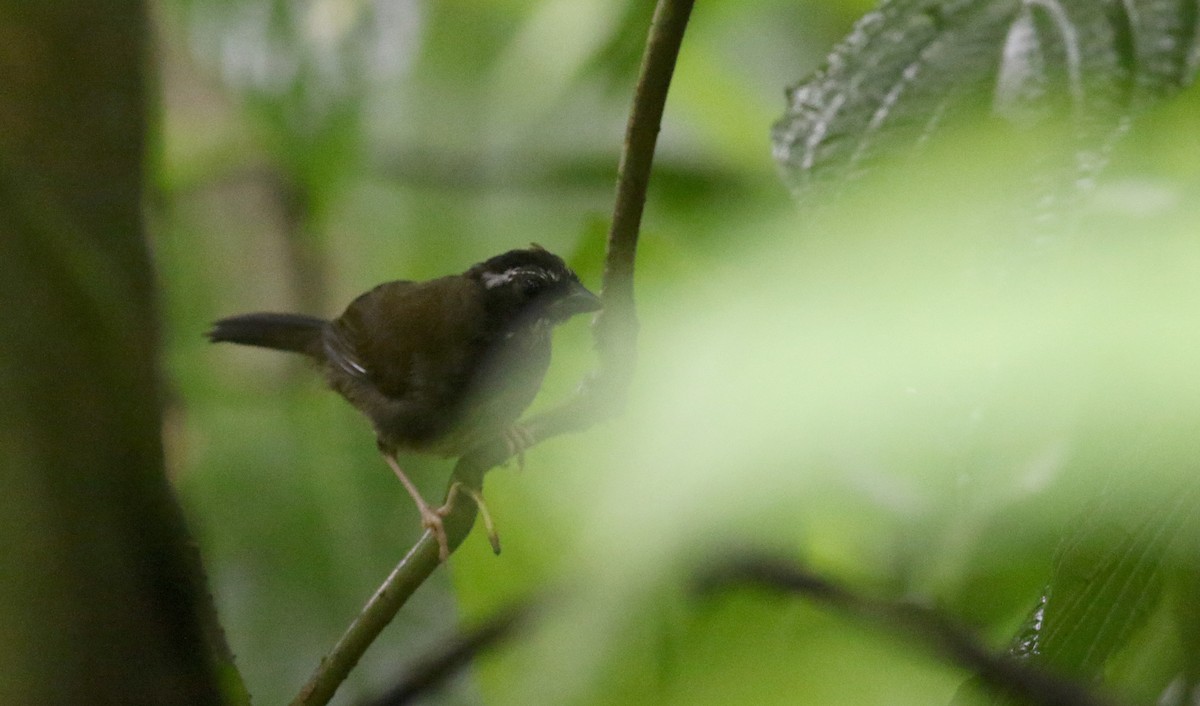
pixel 491 280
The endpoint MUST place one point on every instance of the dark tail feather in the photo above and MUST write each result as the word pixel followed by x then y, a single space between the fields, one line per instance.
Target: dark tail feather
pixel 284 332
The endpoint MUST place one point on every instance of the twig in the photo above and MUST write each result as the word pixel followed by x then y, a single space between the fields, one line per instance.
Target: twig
pixel 940 634
pixel 600 397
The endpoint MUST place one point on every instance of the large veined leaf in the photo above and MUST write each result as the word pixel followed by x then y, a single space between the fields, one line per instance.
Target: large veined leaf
pixel 1120 596
pixel 1109 578
pixel 910 68
pixel 909 75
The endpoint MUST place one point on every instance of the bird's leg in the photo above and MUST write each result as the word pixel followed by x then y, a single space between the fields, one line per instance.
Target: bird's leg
pixel 430 519
pixel 493 537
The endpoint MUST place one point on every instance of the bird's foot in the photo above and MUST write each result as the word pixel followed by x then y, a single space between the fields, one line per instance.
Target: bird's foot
pixel 432 520
pixel 517 439
pixel 488 524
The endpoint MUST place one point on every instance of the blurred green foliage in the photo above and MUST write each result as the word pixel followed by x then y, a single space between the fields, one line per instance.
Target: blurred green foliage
pixel 910 388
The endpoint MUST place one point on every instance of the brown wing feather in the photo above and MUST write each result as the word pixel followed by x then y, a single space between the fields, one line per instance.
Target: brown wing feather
pixel 420 357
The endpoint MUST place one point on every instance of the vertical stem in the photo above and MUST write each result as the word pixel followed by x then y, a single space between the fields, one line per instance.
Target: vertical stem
pixel 616 326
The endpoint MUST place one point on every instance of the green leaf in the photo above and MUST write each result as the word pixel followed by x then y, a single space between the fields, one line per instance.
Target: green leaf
pixel 912 68
pixel 1106 581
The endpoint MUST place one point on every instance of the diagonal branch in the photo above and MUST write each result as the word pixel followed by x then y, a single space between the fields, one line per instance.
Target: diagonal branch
pixel 602 394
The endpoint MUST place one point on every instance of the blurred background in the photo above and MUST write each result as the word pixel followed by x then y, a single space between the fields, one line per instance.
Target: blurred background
pixel 898 391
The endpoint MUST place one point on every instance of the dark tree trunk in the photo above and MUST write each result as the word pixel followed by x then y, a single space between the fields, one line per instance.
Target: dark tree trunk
pixel 98 596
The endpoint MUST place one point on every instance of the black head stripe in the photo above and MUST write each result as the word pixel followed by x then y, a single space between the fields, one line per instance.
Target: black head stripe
pixel 518 264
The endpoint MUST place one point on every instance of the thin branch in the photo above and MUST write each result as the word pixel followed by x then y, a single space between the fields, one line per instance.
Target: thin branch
pixel 600 397
pixel 941 635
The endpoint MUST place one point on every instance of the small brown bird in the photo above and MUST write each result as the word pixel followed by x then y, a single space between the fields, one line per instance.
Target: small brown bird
pixel 439 366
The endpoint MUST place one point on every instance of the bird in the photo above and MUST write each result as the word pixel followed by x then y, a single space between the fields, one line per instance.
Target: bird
pixel 438 366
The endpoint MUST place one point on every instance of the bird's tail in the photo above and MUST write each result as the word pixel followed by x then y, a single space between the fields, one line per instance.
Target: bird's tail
pixel 284 332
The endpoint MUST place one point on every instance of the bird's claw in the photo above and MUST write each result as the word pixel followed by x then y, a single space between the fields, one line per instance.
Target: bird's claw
pixel 477 497
pixel 516 440
pixel 432 520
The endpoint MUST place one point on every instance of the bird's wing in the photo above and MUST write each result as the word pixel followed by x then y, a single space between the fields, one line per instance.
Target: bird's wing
pixel 351 342
pixel 340 353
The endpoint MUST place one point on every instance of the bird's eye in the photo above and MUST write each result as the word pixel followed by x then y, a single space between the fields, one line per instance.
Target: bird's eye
pixel 531 286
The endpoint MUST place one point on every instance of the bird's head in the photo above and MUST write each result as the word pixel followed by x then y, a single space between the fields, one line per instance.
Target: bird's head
pixel 533 284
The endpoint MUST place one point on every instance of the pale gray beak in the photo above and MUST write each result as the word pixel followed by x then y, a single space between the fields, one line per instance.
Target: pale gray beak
pixel 577 301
